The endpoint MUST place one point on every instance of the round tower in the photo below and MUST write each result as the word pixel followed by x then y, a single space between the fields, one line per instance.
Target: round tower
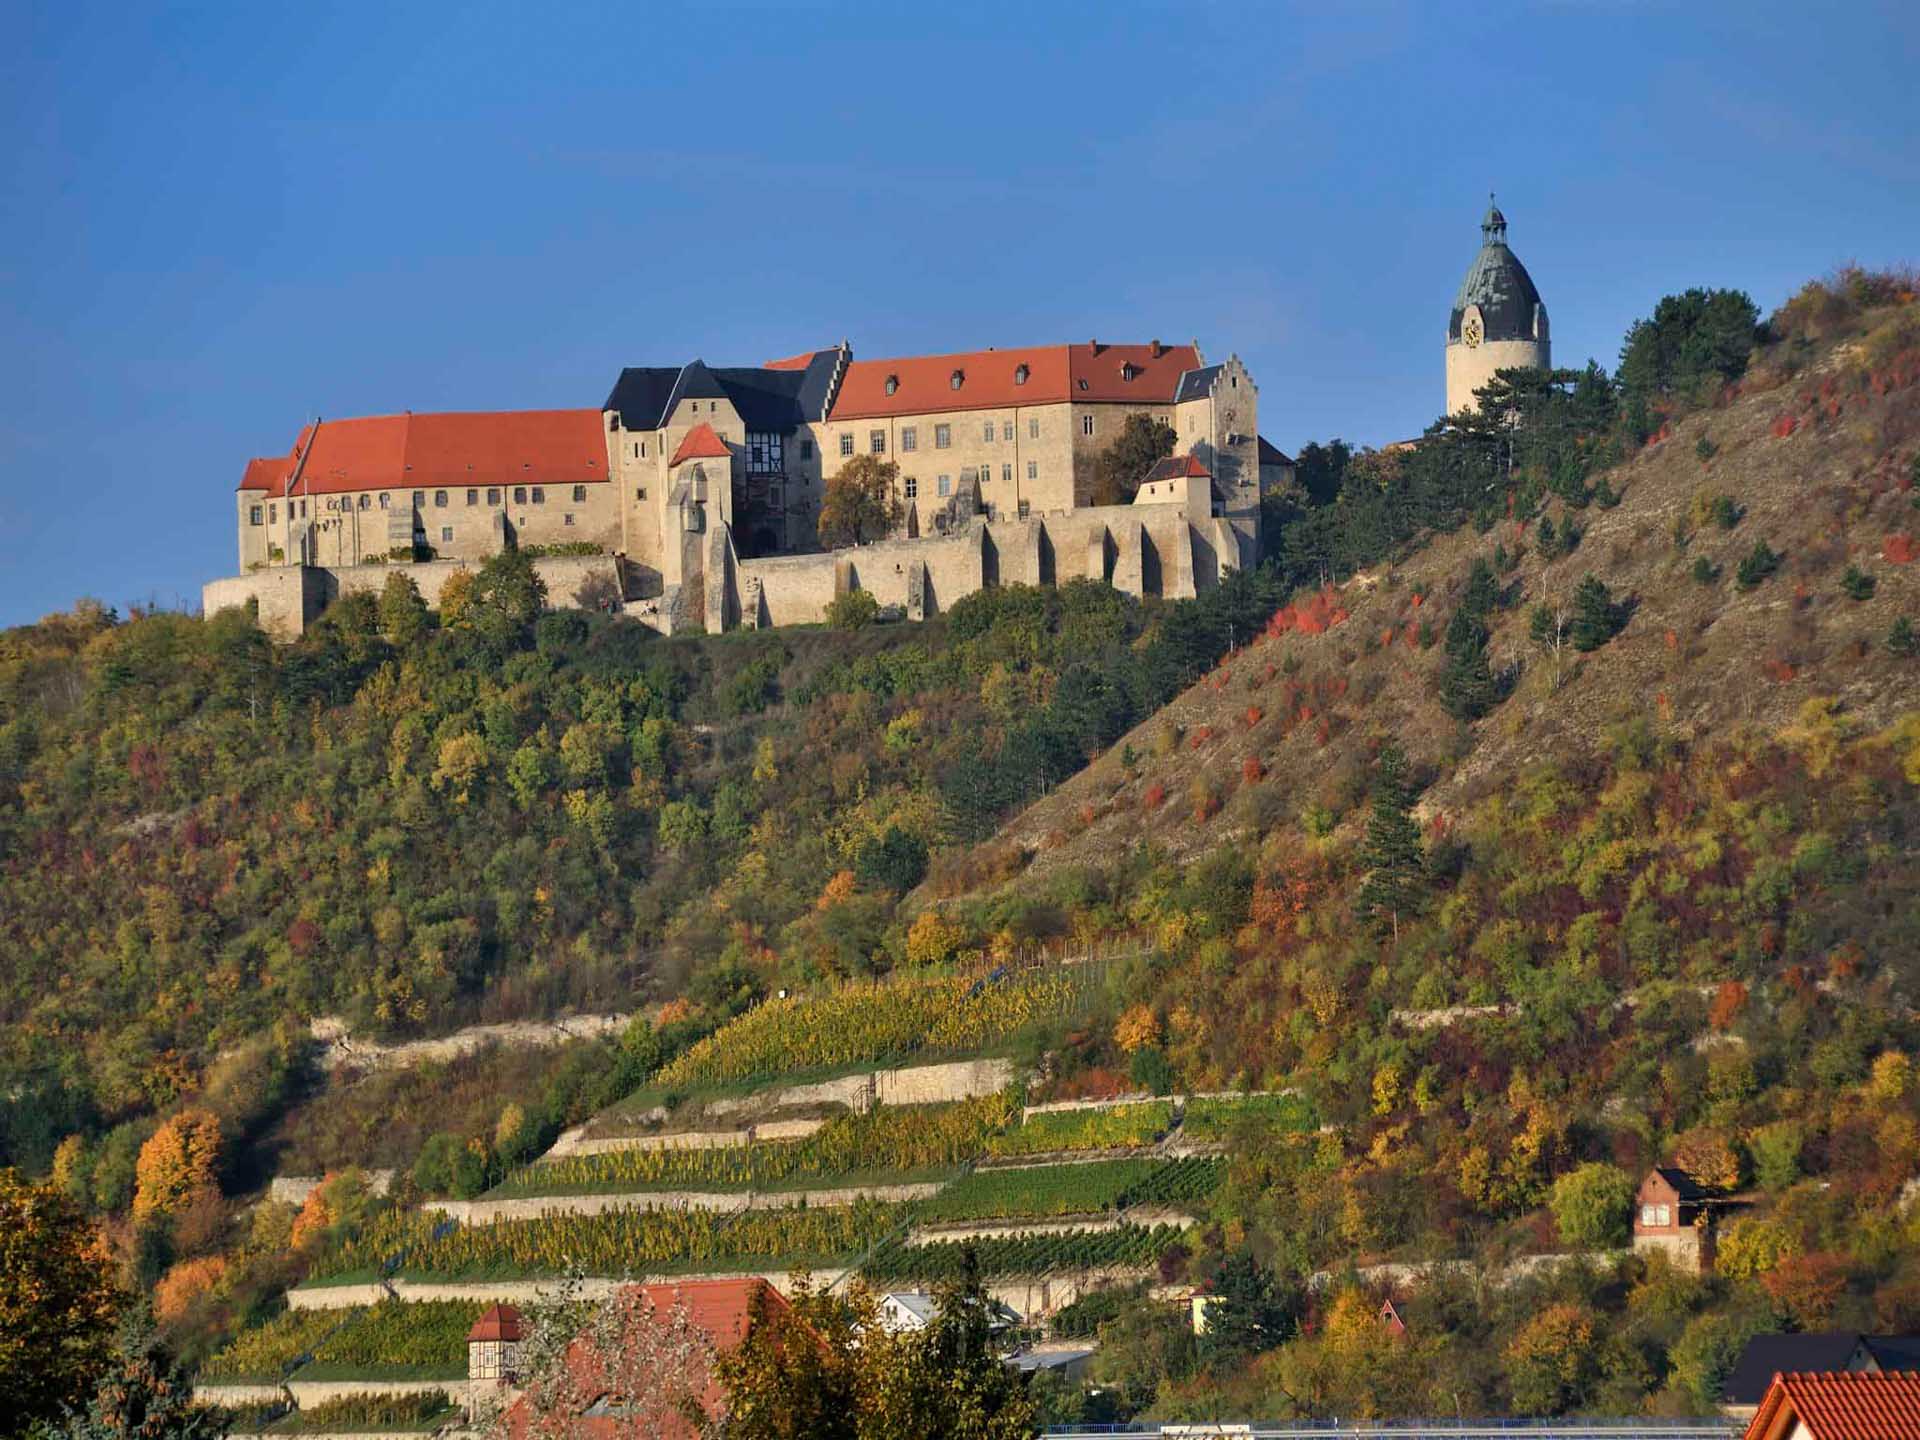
pixel 1498 320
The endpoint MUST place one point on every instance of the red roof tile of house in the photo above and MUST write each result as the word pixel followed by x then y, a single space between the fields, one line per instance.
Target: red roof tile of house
pixel 1840 1406
pixel 502 1322
pixel 701 444
pixel 413 452
pixel 267 474
pixel 791 362
pixel 989 379
pixel 1176 467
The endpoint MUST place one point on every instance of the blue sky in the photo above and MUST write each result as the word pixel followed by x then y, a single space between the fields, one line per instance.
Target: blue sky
pixel 222 220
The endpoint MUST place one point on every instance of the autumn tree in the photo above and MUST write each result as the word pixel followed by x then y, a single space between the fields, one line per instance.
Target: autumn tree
pixel 176 1165
pixel 948 1379
pixel 1553 1361
pixel 1143 441
pixel 798 1373
pixel 1392 856
pixel 861 503
pixel 58 1303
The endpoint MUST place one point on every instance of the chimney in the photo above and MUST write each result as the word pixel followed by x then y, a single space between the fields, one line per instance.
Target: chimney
pixel 1154 349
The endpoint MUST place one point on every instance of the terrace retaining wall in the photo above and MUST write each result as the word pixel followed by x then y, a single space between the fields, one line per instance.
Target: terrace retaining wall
pixel 726 1202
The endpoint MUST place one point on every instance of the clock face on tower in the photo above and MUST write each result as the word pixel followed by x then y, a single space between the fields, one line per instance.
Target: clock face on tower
pixel 1470 329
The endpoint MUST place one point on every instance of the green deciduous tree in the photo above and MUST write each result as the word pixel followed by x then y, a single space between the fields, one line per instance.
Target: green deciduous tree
pixel 1119 468
pixel 403 614
pixel 1591 1206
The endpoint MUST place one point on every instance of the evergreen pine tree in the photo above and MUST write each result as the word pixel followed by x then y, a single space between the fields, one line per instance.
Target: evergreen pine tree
pixel 144 1394
pixel 1393 855
pixel 1467 686
pixel 1596 619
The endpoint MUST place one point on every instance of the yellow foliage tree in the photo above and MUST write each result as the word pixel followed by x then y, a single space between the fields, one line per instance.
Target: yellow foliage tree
pixel 934 939
pixel 176 1165
pixel 456 598
pixel 1136 1029
pixel 462 761
pixel 58 1303
pixel 1892 1076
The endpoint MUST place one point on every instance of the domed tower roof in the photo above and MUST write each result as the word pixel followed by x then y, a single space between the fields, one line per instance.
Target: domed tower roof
pixel 1499 284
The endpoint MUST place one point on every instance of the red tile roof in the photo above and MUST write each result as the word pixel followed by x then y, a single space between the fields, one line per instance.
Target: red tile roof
pixel 792 362
pixel 413 452
pixel 1840 1406
pixel 502 1322
pixel 701 444
pixel 268 474
pixel 1176 467
pixel 1055 373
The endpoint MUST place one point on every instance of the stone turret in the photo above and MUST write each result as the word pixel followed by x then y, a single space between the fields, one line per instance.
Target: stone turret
pixel 1498 321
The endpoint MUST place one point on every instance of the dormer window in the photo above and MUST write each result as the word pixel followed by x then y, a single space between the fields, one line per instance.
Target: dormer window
pixel 893 383
pixel 1127 372
pixel 1083 384
pixel 1020 374
pixel 958 378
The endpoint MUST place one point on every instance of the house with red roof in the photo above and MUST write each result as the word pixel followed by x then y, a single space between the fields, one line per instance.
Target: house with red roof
pixel 1839 1405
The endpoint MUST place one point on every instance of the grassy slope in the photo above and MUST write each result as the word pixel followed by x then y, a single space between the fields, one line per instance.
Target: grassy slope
pixel 1693 658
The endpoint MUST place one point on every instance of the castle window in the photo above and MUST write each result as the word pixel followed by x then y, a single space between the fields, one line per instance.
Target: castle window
pixel 909 440
pixel 957 379
pixel 473 497
pixel 383 501
pixel 987 434
pixel 942 436
pixel 641 493
pixel 439 499
pixel 912 487
pixel 519 494
pixel 1025 507
pixel 303 509
pixel 945 484
pixel 365 501
pixel 493 496
pixel 273 513
pixel 806 449
pixel 1083 384
pixel 253 516
pixel 1033 427
pixel 539 496
pixel 419 499
pixel 846 443
pixel 877 441
pixel 636 449
pixel 1086 424
pixel 1006 430
pixel 1033 469
pixel 579 495
pixel 1006 474
pixel 1020 373
pixel 893 383
pixel 1127 372
pixel 567 519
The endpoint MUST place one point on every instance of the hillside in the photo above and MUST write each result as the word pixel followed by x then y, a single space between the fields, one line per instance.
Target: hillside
pixel 1551 817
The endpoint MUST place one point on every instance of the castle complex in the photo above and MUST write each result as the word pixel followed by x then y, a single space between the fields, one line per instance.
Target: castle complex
pixel 691 497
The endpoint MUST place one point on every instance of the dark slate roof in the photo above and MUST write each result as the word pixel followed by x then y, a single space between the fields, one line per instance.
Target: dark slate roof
pixel 1684 1185
pixel 1499 284
pixel 1194 384
pixel 1769 1355
pixel 640 395
pixel 768 399
pixel 1895 1352
pixel 1271 454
